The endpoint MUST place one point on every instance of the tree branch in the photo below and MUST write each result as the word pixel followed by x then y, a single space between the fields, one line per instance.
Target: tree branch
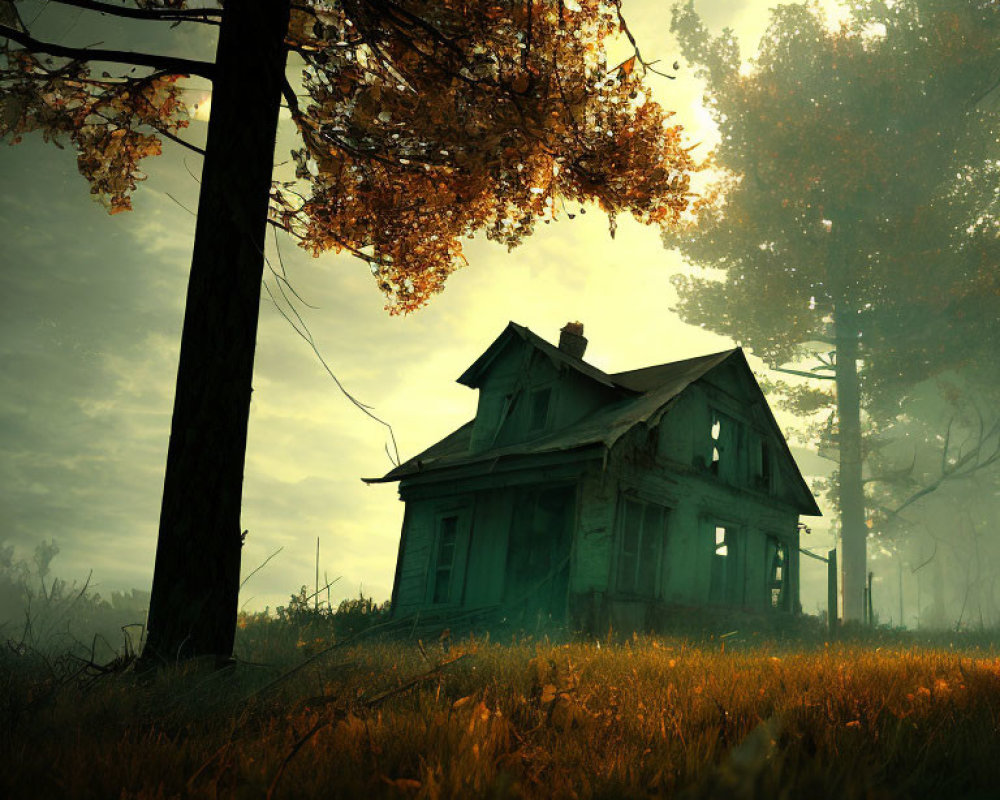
pixel 293 102
pixel 396 12
pixel 985 93
pixel 175 138
pixel 802 374
pixel 647 65
pixel 966 466
pixel 175 66
pixel 895 475
pixel 913 570
pixel 163 15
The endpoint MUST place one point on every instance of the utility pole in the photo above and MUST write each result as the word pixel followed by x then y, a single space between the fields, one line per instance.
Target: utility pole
pixel 902 622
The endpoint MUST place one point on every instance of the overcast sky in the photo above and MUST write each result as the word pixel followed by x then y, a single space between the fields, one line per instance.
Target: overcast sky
pixel 90 324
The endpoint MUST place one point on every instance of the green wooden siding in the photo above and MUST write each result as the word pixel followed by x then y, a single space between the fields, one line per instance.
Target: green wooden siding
pixel 427 553
pixel 511 407
pixel 595 534
pixel 641 520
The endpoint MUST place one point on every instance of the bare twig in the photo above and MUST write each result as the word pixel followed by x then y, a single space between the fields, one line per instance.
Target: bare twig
pixel 178 140
pixel 895 475
pixel 646 65
pixel 262 565
pixel 803 374
pixel 920 566
pixel 207 16
pixel 170 64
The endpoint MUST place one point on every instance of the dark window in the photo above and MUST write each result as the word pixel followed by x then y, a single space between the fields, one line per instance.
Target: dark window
pixel 538 548
pixel 777 570
pixel 447 536
pixel 761 478
pixel 642 531
pixel 539 409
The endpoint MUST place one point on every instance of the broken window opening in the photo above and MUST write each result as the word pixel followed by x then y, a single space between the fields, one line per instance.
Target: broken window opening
pixel 724 577
pixel 777 572
pixel 728 449
pixel 716 432
pixel 447 538
pixel 721 549
pixel 643 527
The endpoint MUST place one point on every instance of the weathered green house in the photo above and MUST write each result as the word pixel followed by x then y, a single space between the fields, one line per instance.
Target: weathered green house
pixel 598 499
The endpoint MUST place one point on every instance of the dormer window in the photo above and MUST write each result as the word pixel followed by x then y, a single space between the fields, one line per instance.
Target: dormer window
pixel 539 409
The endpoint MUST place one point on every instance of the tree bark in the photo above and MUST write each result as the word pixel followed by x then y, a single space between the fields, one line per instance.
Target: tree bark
pixel 853 531
pixel 193 607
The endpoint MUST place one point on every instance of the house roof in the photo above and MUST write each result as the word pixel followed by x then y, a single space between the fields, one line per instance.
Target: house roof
pixel 513 332
pixel 646 395
pixel 646 391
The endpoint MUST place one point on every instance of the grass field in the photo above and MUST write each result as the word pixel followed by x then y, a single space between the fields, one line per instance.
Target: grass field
pixel 647 717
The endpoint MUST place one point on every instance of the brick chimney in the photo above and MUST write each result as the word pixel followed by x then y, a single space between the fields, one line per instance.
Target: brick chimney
pixel 572 341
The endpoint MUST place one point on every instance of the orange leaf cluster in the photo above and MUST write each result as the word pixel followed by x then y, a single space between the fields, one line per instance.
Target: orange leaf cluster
pixel 479 117
pixel 426 122
pixel 103 117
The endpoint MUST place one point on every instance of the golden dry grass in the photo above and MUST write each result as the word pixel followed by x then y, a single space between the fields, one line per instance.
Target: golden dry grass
pixel 647 718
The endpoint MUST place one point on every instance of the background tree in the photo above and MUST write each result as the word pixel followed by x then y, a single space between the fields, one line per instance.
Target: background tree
pixel 421 123
pixel 933 488
pixel 853 221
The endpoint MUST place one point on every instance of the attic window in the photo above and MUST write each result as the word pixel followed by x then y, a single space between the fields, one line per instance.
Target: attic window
pixel 716 432
pixel 539 409
pixel 721 549
pixel 728 447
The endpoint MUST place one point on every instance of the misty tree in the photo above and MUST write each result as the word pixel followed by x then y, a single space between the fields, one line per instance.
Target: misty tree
pixel 851 233
pixel 933 490
pixel 421 122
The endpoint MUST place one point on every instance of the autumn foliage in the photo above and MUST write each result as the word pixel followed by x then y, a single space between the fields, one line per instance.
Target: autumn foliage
pixel 422 123
pixel 112 125
pixel 491 116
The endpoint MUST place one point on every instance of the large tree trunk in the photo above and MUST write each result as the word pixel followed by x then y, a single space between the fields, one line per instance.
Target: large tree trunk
pixel 853 531
pixel 192 611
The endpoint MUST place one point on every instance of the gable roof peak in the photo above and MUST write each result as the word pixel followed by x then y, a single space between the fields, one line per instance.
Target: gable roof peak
pixel 472 377
pixel 647 379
